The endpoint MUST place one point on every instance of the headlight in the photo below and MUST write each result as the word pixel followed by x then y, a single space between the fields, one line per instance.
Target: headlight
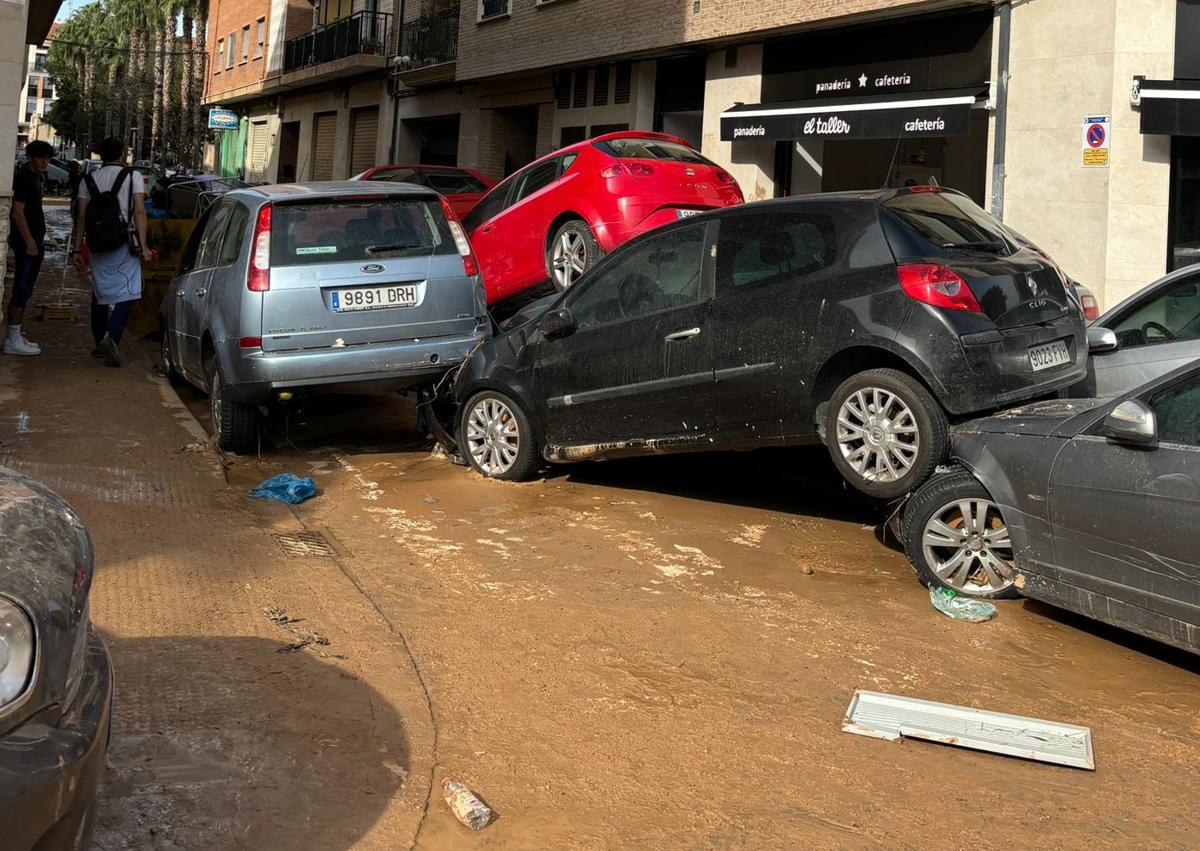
pixel 16 651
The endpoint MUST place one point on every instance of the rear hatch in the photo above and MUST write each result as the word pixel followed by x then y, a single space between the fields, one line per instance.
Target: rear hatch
pixel 363 269
pixel 679 175
pixel 1014 285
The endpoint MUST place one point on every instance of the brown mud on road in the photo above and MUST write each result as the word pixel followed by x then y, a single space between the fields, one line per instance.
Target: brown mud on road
pixel 623 655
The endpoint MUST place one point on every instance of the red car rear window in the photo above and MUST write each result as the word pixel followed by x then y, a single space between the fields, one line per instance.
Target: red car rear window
pixel 649 149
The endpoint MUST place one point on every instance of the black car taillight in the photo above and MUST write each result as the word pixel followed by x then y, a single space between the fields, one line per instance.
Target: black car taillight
pixel 936 285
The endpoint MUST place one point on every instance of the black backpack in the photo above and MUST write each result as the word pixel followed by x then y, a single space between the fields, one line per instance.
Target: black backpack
pixel 104 225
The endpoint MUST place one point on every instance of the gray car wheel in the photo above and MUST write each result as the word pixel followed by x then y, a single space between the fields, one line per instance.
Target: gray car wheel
pixel 571 252
pixel 497 437
pixel 234 424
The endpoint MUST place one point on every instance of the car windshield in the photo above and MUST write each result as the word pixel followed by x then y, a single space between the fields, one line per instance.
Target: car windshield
pixel 949 220
pixel 649 149
pixel 453 182
pixel 337 231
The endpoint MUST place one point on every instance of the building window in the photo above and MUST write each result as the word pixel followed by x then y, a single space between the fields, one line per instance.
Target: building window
pixel 624 82
pixel 30 109
pixel 600 86
pixel 245 43
pixel 579 100
pixel 31 90
pixel 47 88
pixel 562 89
pixel 571 135
pixel 220 56
pixel 39 62
pixel 232 50
pixel 261 38
pixel 493 8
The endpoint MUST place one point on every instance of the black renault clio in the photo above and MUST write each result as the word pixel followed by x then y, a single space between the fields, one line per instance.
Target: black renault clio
pixel 867 320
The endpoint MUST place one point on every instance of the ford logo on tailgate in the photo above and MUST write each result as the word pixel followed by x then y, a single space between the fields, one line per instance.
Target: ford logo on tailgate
pixel 372 268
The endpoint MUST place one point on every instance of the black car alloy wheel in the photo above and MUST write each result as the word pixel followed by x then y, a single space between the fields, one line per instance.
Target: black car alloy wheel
pixel 498 438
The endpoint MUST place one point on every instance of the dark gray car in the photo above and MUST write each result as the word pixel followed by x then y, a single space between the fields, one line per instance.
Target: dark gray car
pixel 318 286
pixel 56 682
pixel 1088 504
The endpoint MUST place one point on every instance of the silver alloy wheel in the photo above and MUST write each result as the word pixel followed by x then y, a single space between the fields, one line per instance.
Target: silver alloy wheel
pixel 877 435
pixel 569 258
pixel 966 543
pixel 493 437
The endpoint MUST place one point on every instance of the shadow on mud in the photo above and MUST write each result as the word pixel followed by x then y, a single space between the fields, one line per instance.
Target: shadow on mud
pixel 226 743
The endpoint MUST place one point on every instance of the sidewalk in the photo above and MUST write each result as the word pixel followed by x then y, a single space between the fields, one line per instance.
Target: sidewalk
pixel 219 740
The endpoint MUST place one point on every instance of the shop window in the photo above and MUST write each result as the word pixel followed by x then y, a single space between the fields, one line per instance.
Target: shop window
pixel 763 249
pixel 624 82
pixel 260 39
pixel 1185 202
pixel 600 86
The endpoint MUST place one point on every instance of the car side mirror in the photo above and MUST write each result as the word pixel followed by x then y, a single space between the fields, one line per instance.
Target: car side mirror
pixel 558 323
pixel 1132 423
pixel 1101 340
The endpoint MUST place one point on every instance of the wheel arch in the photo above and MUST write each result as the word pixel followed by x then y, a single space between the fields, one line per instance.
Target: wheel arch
pixel 878 354
pixel 560 220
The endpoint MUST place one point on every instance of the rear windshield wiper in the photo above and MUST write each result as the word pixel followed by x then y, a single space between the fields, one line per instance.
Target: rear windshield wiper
pixel 398 246
pixel 982 245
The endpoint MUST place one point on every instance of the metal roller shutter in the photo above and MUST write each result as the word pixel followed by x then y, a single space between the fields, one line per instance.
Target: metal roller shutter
pixel 324 140
pixel 364 131
pixel 256 168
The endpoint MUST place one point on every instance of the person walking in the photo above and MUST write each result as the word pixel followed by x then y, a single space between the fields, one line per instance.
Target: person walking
pixel 27 238
pixel 111 216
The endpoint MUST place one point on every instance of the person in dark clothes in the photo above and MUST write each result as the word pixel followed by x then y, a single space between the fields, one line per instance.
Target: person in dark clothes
pixel 26 237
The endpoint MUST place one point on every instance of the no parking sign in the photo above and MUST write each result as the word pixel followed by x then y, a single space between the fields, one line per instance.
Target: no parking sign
pixel 1095 141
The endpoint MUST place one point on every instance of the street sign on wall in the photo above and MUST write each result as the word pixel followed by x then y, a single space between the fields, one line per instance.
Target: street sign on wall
pixel 1095 141
pixel 222 119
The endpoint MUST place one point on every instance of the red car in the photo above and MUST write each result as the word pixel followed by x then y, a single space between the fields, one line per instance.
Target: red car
pixel 557 216
pixel 462 187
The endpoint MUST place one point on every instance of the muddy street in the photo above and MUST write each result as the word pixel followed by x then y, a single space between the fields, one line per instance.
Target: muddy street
pixel 643 654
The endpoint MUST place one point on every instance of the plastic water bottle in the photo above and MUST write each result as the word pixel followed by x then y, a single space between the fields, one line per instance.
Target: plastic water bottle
pixel 468 809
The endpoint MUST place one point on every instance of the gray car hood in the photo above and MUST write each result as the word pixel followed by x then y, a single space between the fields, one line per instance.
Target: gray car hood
pixel 1037 418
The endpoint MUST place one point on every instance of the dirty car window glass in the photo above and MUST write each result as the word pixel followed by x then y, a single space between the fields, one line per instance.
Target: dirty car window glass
pixel 659 274
pixel 950 221
pixel 453 182
pixel 1177 410
pixel 214 234
pixel 649 149
pixel 1173 314
pixel 770 248
pixel 396 175
pixel 235 234
pixel 341 231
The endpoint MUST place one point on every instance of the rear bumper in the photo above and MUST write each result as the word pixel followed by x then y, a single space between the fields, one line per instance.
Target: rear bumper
pixel 991 370
pixel 254 377
pixel 49 774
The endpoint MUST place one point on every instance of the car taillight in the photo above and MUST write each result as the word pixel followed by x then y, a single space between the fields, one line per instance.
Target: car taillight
pixel 258 279
pixel 250 342
pixel 634 169
pixel 470 267
pixel 936 285
pixel 724 177
pixel 1091 307
pixel 924 188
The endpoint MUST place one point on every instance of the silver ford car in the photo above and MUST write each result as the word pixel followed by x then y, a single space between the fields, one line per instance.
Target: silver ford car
pixel 363 287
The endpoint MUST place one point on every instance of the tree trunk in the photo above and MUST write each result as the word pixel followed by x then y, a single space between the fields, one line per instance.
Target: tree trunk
pixel 129 94
pixel 199 125
pixel 110 119
pixel 187 110
pixel 158 110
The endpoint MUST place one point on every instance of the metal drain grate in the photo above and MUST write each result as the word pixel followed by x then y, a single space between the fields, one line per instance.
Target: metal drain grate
pixel 306 545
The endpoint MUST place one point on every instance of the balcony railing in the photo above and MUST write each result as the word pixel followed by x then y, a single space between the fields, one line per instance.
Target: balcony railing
pixel 431 40
pixel 363 33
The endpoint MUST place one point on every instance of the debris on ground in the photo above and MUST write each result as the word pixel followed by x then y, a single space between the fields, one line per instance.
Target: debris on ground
pixel 891 717
pixel 194 447
pixel 304 638
pixel 961 608
pixel 467 808
pixel 431 500
pixel 285 487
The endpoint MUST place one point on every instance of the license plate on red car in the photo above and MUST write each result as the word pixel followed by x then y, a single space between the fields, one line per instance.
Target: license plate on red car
pixel 683 214
pixel 1049 356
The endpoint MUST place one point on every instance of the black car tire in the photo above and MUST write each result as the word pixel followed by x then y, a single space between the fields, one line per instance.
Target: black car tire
pixel 234 424
pixel 933 497
pixel 933 431
pixel 528 455
pixel 591 252
pixel 164 361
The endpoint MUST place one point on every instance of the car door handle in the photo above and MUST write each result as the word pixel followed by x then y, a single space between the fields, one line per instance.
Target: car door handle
pixel 201 293
pixel 682 335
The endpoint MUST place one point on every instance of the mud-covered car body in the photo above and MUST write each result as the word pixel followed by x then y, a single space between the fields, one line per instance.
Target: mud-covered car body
pixel 55 698
pixel 1102 523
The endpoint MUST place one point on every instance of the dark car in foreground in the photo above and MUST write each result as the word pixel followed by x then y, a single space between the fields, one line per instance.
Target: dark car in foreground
pixel 867 319
pixel 1088 504
pixel 312 287
pixel 55 678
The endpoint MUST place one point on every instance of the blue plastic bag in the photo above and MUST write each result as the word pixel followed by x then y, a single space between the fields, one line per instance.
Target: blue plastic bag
pixel 285 488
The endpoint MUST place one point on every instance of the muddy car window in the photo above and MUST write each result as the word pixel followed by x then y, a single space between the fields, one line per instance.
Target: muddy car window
pixel 396 175
pixel 659 274
pixel 1178 413
pixel 214 233
pixel 235 235
pixel 769 249
pixel 303 234
pixel 489 206
pixel 1173 314
pixel 950 221
pixel 453 182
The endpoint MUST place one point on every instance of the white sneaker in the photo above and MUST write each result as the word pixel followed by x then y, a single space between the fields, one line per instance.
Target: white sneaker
pixel 20 346
pixel 29 342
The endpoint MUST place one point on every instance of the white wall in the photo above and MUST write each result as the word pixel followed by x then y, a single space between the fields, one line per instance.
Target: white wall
pixel 751 163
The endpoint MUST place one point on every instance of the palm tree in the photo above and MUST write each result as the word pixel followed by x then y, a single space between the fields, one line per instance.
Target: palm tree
pixel 198 124
pixel 186 92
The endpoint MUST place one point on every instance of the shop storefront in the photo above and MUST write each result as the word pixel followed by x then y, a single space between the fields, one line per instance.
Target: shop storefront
pixel 865 107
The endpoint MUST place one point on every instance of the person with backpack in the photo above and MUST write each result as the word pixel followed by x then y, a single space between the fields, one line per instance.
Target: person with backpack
pixel 111 216
pixel 26 237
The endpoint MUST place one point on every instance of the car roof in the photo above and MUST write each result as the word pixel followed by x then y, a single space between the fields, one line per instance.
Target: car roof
pixel 333 189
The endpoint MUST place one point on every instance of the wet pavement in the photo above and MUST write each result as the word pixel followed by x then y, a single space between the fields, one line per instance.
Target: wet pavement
pixel 650 653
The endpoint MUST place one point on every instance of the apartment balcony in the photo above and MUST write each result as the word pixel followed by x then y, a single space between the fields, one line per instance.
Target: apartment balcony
pixel 427 50
pixel 347 47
